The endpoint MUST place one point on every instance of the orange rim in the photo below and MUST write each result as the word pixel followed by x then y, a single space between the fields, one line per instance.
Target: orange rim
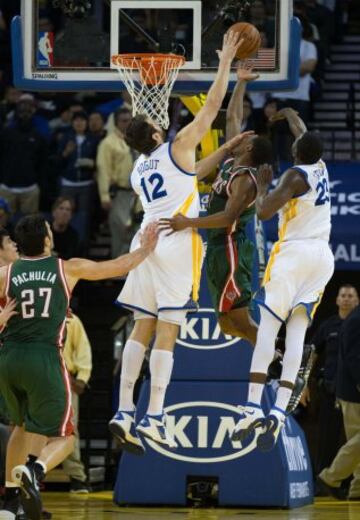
pixel 141 60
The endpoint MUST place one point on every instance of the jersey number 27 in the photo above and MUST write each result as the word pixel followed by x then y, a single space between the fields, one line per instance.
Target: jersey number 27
pixel 28 302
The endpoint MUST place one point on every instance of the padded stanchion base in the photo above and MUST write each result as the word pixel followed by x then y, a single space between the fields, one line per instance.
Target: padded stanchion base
pixel 201 416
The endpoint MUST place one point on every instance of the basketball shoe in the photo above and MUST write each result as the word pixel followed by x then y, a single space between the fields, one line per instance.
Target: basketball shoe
pixel 272 426
pixel 25 477
pixel 250 419
pixel 154 427
pixel 302 378
pixel 122 426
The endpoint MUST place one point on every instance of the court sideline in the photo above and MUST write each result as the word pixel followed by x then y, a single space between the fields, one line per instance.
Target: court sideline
pixel 99 506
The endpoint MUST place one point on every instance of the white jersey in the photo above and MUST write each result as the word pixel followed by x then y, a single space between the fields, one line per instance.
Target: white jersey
pixel 163 187
pixel 308 216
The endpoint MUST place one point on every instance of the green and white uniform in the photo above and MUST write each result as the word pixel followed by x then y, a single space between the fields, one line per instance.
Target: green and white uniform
pixel 33 378
pixel 230 254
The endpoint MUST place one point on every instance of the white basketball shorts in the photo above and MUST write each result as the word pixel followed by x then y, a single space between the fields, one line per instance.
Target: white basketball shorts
pixel 296 274
pixel 166 283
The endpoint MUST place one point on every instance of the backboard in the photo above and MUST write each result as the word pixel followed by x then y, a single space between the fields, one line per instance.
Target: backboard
pixel 62 50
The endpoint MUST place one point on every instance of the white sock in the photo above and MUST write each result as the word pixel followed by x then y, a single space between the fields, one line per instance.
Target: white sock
pixel 255 393
pixel 265 343
pixel 161 365
pixel 282 398
pixel 132 360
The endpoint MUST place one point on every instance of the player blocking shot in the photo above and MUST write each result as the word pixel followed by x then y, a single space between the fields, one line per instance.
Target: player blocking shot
pixel 300 266
pixel 163 290
pixel 33 378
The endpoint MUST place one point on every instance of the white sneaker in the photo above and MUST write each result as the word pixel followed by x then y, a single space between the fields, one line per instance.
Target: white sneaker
pixel 154 427
pixel 250 419
pixel 122 426
pixel 272 426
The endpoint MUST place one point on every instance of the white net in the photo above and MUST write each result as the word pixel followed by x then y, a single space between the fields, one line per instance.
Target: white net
pixel 149 81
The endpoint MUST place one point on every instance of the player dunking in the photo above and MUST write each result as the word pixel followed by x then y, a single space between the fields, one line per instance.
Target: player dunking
pixel 158 292
pixel 33 377
pixel 300 266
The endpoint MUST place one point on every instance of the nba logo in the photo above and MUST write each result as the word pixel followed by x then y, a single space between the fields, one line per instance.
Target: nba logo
pixel 46 49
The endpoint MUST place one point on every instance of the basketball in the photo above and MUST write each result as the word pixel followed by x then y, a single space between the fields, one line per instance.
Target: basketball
pixel 252 39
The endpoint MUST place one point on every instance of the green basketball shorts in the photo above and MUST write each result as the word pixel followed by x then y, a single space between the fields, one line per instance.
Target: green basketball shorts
pixel 228 268
pixel 36 388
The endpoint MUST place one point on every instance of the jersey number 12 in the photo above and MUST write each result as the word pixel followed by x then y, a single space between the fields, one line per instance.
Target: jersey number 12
pixel 157 181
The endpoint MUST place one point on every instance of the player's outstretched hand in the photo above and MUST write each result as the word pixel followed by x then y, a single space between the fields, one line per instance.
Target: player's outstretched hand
pixel 8 312
pixel 284 113
pixel 231 43
pixel 244 71
pixel 265 175
pixel 176 223
pixel 149 237
pixel 235 141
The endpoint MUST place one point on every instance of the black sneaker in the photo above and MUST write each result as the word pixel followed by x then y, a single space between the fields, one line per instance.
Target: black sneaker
pixel 30 497
pixel 10 508
pixel 301 379
pixel 336 492
pixel 78 487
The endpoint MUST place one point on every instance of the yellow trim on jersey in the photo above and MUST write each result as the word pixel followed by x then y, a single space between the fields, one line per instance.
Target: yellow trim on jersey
pixel 197 250
pixel 316 305
pixel 184 208
pixel 289 213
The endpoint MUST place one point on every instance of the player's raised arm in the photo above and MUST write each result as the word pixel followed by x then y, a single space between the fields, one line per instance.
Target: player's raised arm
pixel 291 184
pixel 234 112
pixel 204 167
pixel 191 135
pixel 296 124
pixel 81 268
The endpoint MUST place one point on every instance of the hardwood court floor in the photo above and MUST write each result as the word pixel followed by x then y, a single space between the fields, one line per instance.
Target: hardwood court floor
pixel 99 506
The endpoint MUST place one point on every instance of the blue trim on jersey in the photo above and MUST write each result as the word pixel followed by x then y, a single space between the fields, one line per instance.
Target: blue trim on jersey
pixel 253 405
pixel 176 165
pixel 308 307
pixel 190 305
pixel 134 307
pixel 306 178
pixel 259 298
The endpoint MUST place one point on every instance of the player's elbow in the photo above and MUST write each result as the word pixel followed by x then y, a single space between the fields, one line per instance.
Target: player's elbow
pixel 263 214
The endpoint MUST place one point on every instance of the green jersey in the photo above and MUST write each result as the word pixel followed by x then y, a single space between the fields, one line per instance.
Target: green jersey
pixel 220 193
pixel 39 287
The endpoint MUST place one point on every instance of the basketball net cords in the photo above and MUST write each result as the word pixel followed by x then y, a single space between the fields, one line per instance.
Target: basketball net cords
pixel 150 96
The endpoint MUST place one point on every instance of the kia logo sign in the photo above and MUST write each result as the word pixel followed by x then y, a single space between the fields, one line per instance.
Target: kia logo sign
pixel 202 431
pixel 202 331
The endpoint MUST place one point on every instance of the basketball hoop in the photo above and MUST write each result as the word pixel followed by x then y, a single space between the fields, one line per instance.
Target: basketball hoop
pixel 149 79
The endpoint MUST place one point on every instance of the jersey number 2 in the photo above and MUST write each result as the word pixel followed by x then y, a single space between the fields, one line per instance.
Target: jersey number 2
pixel 28 301
pixel 322 189
pixel 156 180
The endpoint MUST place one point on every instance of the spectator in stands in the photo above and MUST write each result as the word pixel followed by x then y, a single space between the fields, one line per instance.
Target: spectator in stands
pixel 323 18
pixel 327 344
pixel 23 159
pixel 77 154
pixel 77 355
pixel 347 460
pixel 66 238
pixel 115 162
pixel 39 122
pixel 263 117
pixel 61 124
pixel 97 125
pixel 299 99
